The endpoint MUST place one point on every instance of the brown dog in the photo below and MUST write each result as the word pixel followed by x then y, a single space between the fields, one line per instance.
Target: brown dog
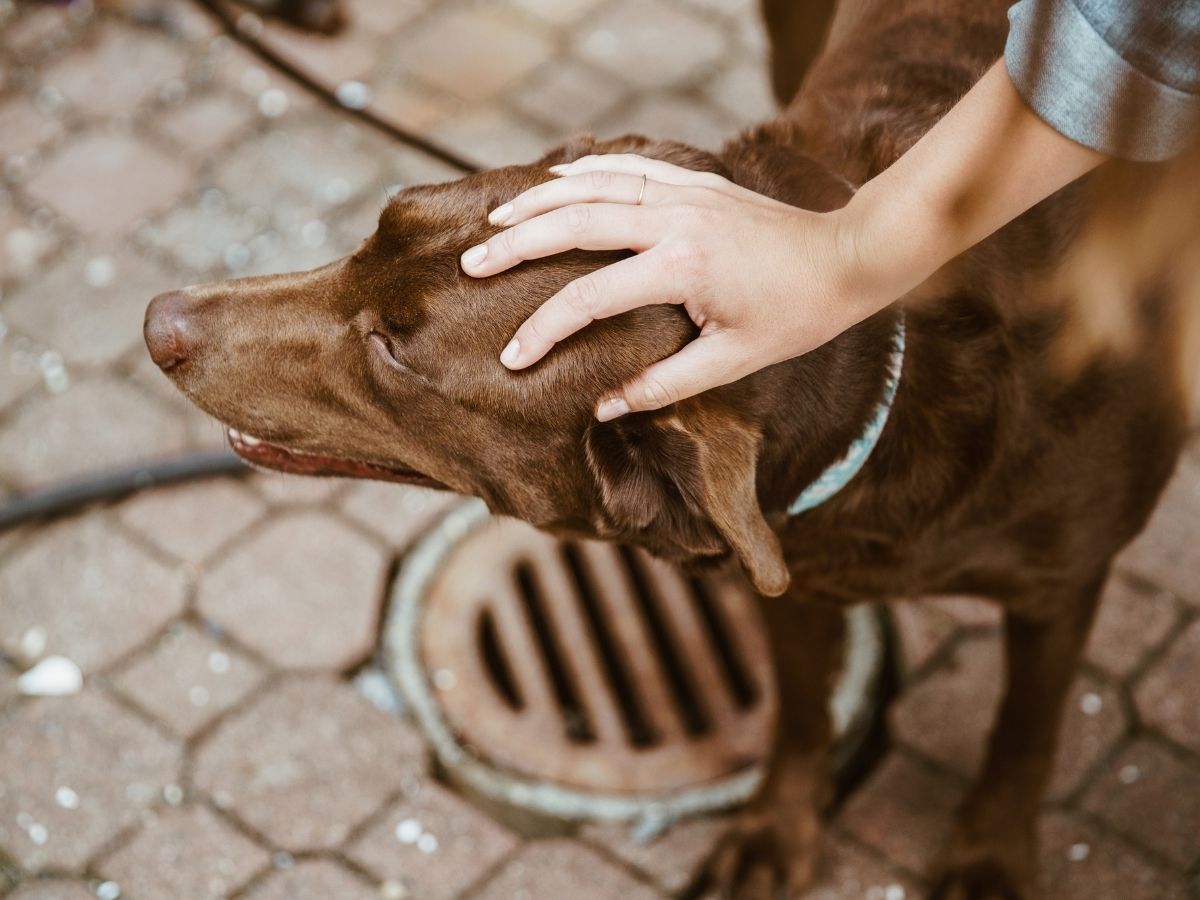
pixel 995 474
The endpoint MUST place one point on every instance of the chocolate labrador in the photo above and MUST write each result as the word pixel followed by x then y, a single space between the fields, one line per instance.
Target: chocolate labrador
pixel 996 474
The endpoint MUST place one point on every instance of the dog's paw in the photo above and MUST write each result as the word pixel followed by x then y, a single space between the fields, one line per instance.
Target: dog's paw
pixel 983 879
pixel 763 857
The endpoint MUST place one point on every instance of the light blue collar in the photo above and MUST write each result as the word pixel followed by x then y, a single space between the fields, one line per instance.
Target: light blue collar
pixel 839 473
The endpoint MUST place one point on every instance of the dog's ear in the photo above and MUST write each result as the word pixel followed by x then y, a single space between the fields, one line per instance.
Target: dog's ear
pixel 686 477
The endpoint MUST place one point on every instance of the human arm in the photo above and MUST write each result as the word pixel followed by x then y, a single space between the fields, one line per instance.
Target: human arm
pixel 815 274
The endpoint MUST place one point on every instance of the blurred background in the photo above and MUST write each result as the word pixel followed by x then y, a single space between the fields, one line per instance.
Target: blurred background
pixel 191 697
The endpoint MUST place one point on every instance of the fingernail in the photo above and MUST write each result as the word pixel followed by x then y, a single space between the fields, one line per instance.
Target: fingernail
pixel 511 352
pixel 475 256
pixel 611 408
pixel 499 215
pixel 560 168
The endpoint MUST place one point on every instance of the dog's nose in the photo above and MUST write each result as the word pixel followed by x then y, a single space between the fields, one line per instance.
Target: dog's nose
pixel 168 330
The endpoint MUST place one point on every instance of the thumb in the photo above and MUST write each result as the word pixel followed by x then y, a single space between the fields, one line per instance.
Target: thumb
pixel 703 364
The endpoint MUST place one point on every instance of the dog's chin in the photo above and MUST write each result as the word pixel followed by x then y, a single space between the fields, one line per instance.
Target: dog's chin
pixel 266 455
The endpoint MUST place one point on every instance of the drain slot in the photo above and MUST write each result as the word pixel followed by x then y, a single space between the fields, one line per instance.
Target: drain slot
pixel 616 670
pixel 575 717
pixel 692 715
pixel 741 685
pixel 495 661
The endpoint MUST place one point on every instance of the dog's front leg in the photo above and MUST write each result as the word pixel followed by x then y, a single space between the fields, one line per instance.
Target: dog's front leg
pixel 993 848
pixel 772 846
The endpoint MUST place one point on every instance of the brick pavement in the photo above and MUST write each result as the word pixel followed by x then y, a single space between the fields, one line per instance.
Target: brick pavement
pixel 219 746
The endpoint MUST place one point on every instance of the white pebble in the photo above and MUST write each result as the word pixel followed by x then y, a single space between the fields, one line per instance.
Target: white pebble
pixel 1079 852
pixel 54 676
pixel 218 662
pixel 108 890
pixel 198 695
pixel 393 890
pixel 409 831
pixel 272 103
pixel 1129 774
pixel 353 95
pixel 444 680
pixel 427 843
pixel 38 834
pixel 1090 704
pixel 173 794
pixel 66 798
pixel 894 892
pixel 100 272
pixel 33 642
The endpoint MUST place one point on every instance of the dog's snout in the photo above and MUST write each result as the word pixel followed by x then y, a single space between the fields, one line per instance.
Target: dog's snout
pixel 169 330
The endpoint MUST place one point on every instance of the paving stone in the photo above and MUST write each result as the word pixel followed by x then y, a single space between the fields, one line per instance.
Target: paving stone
pixel 206 123
pixel 948 716
pixel 673 860
pixel 922 631
pixel 1165 552
pixel 304 591
pixel 1129 624
pixel 82 768
pixel 192 521
pixel 136 64
pixel 38 30
pixel 491 137
pixel 306 762
pixel 315 166
pixel 397 513
pixel 558 868
pixel 677 117
pixel 1166 694
pixel 280 489
pixel 23 245
pixel 185 852
pixel 968 612
pixel 844 872
pixel 650 44
pixel 90 308
pixel 350 57
pixel 1078 863
pixel 52 889
pixel 95 424
pixel 558 12
pixel 94 593
pixel 403 102
pixel 188 679
pixel 383 18
pixel 567 95
pixel 744 92
pixel 25 129
pixel 211 237
pixel 475 54
pixel 313 879
pixel 904 811
pixel 1153 796
pixel 18 369
pixel 434 842
pixel 104 183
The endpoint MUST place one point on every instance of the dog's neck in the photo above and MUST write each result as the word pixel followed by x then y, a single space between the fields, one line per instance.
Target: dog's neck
pixel 811 409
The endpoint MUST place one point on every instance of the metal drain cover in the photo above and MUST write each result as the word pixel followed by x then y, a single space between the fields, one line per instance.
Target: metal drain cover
pixel 589 681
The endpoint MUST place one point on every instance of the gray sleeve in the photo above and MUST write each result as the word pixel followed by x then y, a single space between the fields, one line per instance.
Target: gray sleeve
pixel 1120 76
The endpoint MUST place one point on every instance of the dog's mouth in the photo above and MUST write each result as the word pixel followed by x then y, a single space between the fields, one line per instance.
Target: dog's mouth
pixel 299 462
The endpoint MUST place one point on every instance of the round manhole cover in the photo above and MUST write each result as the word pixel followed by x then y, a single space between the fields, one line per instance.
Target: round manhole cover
pixel 590 681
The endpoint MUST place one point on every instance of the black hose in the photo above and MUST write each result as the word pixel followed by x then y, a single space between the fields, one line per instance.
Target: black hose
pixel 311 84
pixel 116 483
pixel 68 496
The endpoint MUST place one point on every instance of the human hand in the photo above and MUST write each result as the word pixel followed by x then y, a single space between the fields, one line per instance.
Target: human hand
pixel 762 280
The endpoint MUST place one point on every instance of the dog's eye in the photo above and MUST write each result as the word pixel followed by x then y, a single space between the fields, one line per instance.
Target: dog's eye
pixel 384 349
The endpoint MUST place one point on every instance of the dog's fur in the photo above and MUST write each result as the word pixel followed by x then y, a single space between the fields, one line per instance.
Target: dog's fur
pixel 996 475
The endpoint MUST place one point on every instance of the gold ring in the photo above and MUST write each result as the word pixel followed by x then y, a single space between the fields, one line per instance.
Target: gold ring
pixel 642 191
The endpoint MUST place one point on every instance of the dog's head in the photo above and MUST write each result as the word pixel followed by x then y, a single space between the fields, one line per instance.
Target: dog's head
pixel 385 365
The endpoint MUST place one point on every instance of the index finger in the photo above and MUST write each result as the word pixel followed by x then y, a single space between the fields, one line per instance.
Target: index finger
pixel 608 291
